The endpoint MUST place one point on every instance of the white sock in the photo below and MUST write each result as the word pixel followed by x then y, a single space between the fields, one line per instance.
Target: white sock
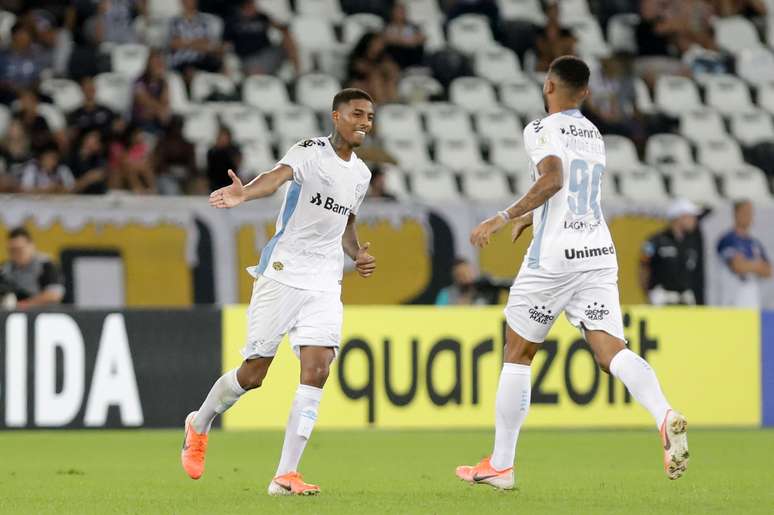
pixel 303 415
pixel 511 408
pixel 641 381
pixel 222 396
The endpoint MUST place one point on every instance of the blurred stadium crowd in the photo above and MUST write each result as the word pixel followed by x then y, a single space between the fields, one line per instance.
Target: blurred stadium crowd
pixel 162 96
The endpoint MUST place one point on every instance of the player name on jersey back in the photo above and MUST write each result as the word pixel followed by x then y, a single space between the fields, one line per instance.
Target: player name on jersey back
pixel 570 232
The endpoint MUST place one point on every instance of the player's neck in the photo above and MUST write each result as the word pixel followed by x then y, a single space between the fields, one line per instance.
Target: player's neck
pixel 561 106
pixel 341 147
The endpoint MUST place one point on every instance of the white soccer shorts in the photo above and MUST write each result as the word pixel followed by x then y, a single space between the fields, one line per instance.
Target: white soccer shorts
pixel 589 299
pixel 310 318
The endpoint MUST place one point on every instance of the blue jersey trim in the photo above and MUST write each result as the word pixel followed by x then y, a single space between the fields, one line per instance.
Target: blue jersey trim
pixel 575 113
pixel 533 259
pixel 291 201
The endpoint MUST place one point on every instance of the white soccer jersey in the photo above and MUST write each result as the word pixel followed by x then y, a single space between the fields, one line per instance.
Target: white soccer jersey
pixel 306 251
pixel 570 233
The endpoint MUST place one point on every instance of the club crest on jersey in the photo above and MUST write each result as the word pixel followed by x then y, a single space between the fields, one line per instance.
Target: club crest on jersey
pixel 278 266
pixel 330 204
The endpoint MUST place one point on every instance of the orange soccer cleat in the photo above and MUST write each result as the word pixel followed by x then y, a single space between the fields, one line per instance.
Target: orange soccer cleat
pixel 484 473
pixel 194 449
pixel 675 442
pixel 291 483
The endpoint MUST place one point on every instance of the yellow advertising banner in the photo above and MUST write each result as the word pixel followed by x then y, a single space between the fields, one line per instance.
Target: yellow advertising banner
pixel 438 367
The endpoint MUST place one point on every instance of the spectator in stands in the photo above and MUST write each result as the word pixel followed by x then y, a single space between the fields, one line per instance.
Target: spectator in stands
pixel 113 21
pixel 88 163
pixel 248 33
pixel 46 174
pixel 91 115
pixel 224 156
pixel 174 160
pixel 404 40
pixel 377 187
pixel 554 41
pixel 746 8
pixel 373 70
pixel 151 108
pixel 20 65
pixel 29 277
pixel 129 159
pixel 745 259
pixel 192 44
pixel 35 125
pixel 45 23
pixel 466 289
pixel 16 148
pixel 671 265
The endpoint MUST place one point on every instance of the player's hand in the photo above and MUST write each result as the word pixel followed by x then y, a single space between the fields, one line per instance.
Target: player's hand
pixel 365 263
pixel 230 196
pixel 483 233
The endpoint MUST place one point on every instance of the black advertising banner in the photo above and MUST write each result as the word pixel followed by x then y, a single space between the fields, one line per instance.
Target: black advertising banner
pixel 106 369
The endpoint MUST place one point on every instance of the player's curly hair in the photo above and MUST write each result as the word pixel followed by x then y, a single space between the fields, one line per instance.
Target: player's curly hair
pixel 571 70
pixel 345 95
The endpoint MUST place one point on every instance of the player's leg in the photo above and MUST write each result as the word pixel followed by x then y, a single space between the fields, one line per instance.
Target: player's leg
pixel 595 309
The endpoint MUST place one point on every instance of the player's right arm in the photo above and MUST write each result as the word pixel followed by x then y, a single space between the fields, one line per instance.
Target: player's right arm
pixel 264 185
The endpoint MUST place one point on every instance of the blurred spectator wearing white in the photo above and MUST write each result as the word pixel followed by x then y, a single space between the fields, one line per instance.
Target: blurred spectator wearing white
pixel 745 259
pixel 248 34
pixel 191 43
pixel 404 40
pixel 28 279
pixel 554 40
pixel 46 174
pixel 91 115
pixel 21 64
pixel 373 70
pixel 114 21
pixel 175 160
pixel 221 158
pixel 671 260
pixel 151 109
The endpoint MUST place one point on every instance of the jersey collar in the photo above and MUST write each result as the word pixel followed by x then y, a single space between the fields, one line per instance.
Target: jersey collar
pixel 575 113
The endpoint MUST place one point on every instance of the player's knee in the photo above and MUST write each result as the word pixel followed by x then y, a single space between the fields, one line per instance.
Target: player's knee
pixel 251 375
pixel 315 374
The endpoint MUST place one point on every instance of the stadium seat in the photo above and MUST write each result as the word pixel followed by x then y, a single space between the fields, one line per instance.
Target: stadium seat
pixel 356 25
pixel 591 40
pixel 621 154
pixel 200 126
pixel 752 126
pixel 573 11
pixel 414 88
pixel 469 33
pixel 447 121
pixel 609 189
pixel 497 64
pixel 508 153
pixel 395 181
pixel 747 182
pixel 435 39
pixel 398 120
pixel 114 91
pixel 643 185
pixel 523 96
pixel 129 59
pixel 486 184
pixel 434 185
pixel 5 119
pixel 695 184
pixel 621 32
pixel 766 96
pixel 279 10
pixel 265 92
pixel 420 11
pixel 214 26
pixel 7 21
pixel 496 123
pixel 642 97
pixel 410 153
pixel 720 156
pixel 316 90
pixel 668 149
pixel 472 93
pixel 755 65
pixel 327 9
pixel 178 96
pixel 527 10
pixel 246 124
pixel 66 93
pixel 205 84
pixel 702 124
pixel 314 36
pixel 727 94
pixel 164 8
pixel 676 95
pixel 735 33
pixel 53 116
pixel 295 122
pixel 459 154
pixel 154 31
pixel 257 158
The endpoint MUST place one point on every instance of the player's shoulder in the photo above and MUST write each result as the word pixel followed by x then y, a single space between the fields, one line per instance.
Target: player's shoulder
pixel 311 145
pixel 362 169
pixel 534 128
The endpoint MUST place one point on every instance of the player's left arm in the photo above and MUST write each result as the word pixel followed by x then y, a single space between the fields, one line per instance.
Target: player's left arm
pixel 548 184
pixel 365 263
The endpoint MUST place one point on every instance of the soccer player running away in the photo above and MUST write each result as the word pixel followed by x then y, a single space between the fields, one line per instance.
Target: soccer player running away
pixel 297 288
pixel 570 266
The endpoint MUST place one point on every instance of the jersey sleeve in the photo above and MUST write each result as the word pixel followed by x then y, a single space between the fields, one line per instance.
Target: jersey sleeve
pixel 726 248
pixel 540 141
pixel 361 192
pixel 297 158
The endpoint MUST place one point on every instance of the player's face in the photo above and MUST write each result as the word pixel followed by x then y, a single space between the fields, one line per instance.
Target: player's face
pixel 354 120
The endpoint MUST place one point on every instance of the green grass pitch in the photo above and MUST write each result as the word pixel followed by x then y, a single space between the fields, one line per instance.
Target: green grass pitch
pixel 369 471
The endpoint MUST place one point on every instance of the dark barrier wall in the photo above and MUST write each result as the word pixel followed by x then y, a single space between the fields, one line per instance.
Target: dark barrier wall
pixel 106 368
